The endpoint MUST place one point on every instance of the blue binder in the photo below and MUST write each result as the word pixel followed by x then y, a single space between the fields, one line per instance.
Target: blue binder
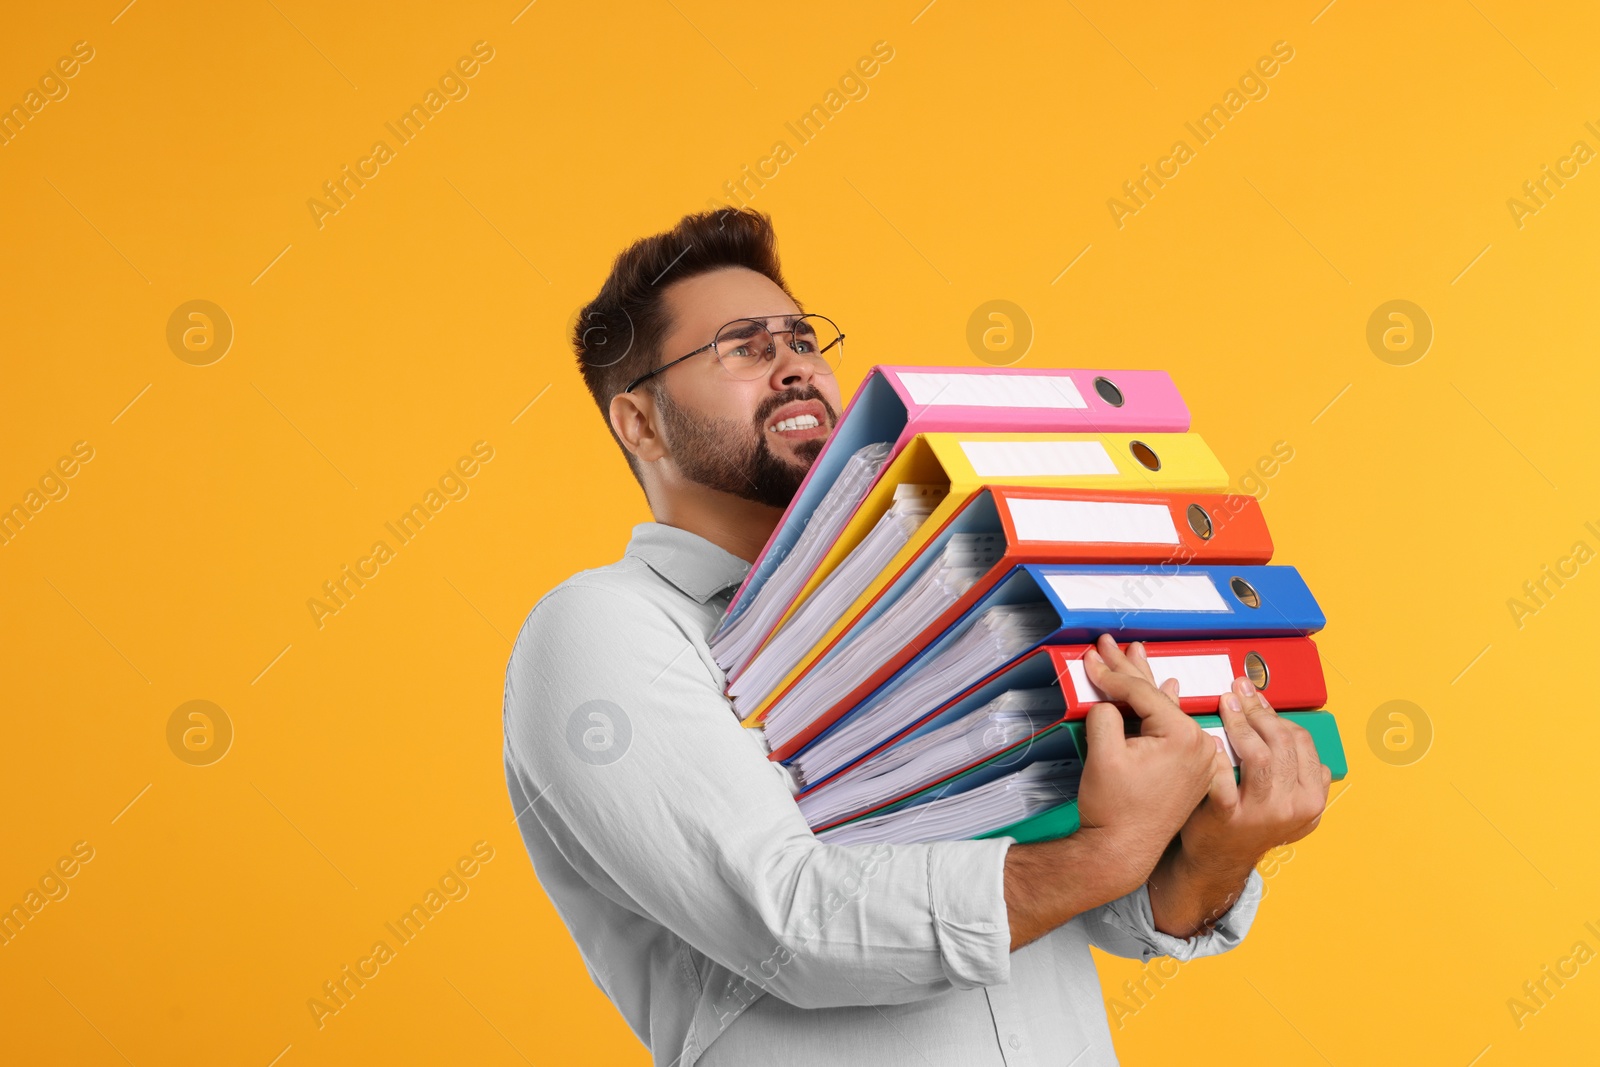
pixel 1137 602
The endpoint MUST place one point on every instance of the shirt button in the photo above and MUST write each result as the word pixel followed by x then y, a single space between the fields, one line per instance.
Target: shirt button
pixel 1014 1041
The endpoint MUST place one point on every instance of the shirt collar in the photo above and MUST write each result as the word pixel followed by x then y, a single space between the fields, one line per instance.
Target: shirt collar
pixel 694 565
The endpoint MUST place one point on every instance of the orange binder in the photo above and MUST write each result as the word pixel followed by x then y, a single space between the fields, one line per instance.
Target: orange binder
pixel 1034 524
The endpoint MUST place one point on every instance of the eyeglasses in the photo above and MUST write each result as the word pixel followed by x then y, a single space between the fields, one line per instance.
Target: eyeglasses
pixel 745 346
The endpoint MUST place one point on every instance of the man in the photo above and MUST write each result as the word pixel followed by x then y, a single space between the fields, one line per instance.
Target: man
pixel 704 907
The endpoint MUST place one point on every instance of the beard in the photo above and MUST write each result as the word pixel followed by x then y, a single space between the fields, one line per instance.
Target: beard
pixel 734 458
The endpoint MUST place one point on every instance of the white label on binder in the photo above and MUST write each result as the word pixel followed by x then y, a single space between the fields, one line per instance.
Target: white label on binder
pixel 1034 459
pixel 992 390
pixel 1136 591
pixel 1092 521
pixel 1198 676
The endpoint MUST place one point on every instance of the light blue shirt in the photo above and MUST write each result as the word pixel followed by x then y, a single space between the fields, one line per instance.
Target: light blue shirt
pixel 704 907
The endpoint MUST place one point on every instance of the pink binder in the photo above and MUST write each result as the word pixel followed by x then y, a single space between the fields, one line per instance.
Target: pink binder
pixel 893 404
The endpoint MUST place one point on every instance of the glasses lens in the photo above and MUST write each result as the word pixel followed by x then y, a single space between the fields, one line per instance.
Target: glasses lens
pixel 745 346
pixel 819 339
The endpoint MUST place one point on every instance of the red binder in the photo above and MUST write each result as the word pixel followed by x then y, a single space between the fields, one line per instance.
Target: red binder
pixel 1202 528
pixel 1287 670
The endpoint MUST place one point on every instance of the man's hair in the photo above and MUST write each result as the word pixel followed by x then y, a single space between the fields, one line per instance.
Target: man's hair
pixel 618 335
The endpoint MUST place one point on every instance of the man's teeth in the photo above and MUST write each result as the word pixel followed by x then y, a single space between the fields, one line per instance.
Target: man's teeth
pixel 799 422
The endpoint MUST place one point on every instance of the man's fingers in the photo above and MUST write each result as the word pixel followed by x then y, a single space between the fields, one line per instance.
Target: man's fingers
pixel 1104 732
pixel 1224 791
pixel 1112 653
pixel 1310 767
pixel 1130 688
pixel 1255 757
pixel 1141 661
pixel 1278 734
pixel 1116 685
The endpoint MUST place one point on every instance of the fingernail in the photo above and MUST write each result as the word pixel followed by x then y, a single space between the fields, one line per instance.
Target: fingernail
pixel 1230 702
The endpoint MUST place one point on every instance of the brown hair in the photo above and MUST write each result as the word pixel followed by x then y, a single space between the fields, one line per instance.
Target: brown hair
pixel 617 336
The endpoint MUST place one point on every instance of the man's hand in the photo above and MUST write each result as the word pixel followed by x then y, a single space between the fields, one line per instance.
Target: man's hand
pixel 1136 792
pixel 1163 806
pixel 1280 795
pixel 1133 797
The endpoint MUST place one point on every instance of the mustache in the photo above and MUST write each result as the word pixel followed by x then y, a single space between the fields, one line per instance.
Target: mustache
pixel 789 396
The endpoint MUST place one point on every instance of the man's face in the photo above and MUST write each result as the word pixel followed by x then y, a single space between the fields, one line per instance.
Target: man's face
pixel 721 431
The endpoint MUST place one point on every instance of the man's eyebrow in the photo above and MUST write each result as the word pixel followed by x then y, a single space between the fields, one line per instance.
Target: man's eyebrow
pixel 744 328
pixel 747 326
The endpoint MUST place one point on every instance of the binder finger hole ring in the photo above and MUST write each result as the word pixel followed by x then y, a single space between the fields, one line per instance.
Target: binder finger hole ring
pixel 1255 669
pixel 1145 455
pixel 1108 391
pixel 1199 521
pixel 1245 592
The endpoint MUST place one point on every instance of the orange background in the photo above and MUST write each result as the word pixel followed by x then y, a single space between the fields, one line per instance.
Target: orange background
pixel 427 314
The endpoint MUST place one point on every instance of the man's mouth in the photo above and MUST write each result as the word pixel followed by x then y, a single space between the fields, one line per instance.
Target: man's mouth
pixel 801 421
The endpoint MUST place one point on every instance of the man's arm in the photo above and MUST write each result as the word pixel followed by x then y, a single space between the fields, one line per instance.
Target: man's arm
pixel 1052 882
pixel 644 779
pixel 1187 899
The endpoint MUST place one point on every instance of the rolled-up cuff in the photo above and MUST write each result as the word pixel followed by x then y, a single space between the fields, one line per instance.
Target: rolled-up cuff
pixel 966 897
pixel 1229 930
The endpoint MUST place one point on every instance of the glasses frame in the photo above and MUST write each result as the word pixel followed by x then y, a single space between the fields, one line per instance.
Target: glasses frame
pixel 770 332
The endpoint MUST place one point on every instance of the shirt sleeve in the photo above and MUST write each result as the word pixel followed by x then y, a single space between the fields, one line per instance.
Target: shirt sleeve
pixel 641 772
pixel 1126 926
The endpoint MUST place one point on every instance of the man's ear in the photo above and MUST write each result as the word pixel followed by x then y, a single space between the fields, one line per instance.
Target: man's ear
pixel 633 417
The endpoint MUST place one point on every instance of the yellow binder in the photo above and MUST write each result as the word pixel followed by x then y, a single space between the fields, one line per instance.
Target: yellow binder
pixel 965 462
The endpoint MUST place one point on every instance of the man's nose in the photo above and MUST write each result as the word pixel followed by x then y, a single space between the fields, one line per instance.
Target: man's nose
pixel 790 368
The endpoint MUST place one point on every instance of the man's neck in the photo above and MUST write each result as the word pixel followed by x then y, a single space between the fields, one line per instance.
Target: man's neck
pixel 732 523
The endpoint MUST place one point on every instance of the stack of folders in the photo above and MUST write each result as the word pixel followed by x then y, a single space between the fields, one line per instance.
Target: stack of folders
pixel 911 639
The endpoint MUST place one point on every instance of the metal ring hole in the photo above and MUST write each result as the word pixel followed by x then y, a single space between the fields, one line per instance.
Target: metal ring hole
pixel 1245 592
pixel 1255 669
pixel 1108 391
pixel 1145 455
pixel 1200 522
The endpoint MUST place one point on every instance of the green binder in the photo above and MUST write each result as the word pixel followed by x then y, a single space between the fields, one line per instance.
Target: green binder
pixel 1067 739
